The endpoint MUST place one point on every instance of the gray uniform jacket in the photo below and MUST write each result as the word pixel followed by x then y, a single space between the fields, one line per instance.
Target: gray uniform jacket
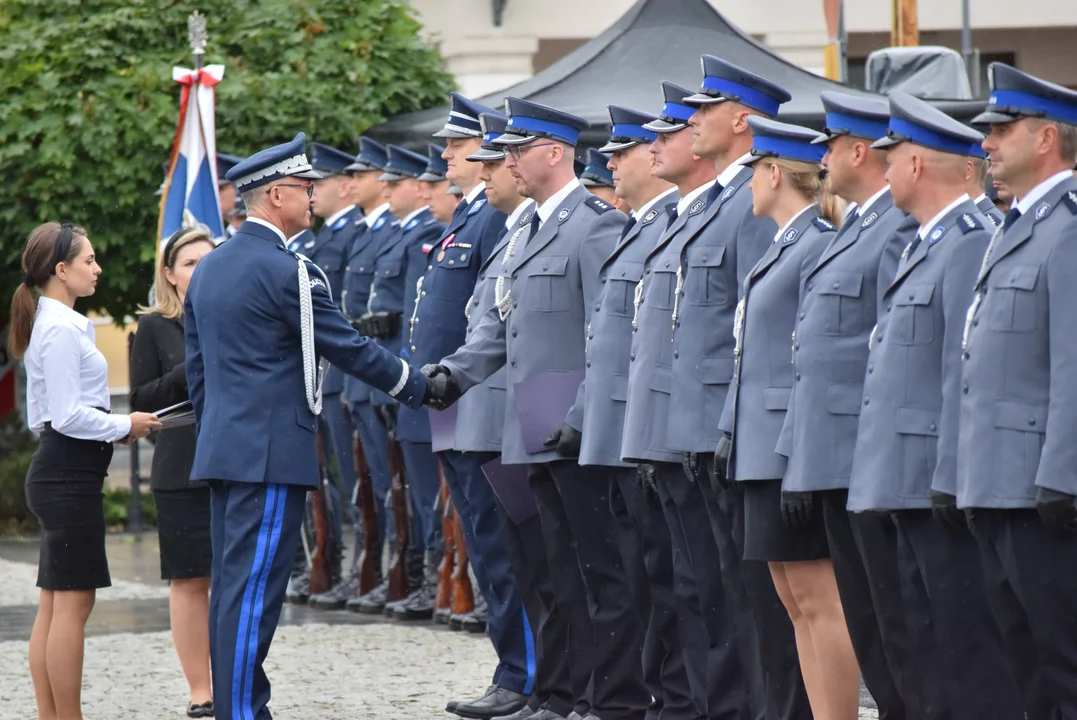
pixel 609 339
pixel 989 211
pixel 838 309
pixel 763 374
pixel 1019 382
pixel 480 413
pixel 650 358
pixel 907 442
pixel 555 280
pixel 713 265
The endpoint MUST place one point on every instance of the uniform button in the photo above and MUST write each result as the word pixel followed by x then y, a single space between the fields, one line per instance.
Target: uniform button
pixel 911 296
pixel 632 356
pixel 452 262
pixel 867 401
pixel 703 258
pixel 879 337
pixel 975 322
pixel 514 332
pixel 588 363
pixel 482 276
pixel 429 267
pixel 597 308
pixel 546 266
pixel 514 304
pixel 622 274
pixel 413 348
pixel 932 427
pixel 603 279
pixel 837 285
pixel 888 306
pixel 676 355
pixel 801 316
pixel 347 268
pixel 965 356
pixel 667 263
pixel 514 363
pixel 1032 422
pixel 682 293
pixel 590 336
pixel 871 369
pixel 797 346
pixel 423 294
pixel 678 323
pixel 642 298
pixel 811 285
pixel 797 376
pixel 647 271
pixel 965 388
pixel 513 275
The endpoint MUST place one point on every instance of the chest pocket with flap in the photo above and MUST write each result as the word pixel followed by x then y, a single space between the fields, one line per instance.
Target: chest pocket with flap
pixel 619 283
pixel 1011 303
pixel 546 287
pixel 706 281
pixel 914 317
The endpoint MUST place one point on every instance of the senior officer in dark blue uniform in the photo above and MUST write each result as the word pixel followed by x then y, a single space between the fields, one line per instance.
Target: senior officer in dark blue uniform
pixel 438 327
pixel 398 265
pixel 836 317
pixel 909 410
pixel 710 273
pixel 640 528
pixel 253 339
pixel 538 328
pixel 1016 463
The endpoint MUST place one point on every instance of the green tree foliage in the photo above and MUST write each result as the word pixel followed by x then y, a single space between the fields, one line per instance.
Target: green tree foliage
pixel 88 108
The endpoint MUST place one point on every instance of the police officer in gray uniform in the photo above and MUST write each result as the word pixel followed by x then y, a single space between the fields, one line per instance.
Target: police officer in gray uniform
pixel 836 317
pixel 976 186
pixel 538 329
pixel 641 530
pixel 1017 467
pixel 907 439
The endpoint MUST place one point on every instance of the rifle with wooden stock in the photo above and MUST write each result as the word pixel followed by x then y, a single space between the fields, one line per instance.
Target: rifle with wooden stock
pixel 443 597
pixel 398 506
pixel 368 560
pixel 321 575
pixel 463 596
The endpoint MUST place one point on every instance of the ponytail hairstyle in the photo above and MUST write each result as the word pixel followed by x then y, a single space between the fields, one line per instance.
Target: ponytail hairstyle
pixel 48 246
pixel 811 179
pixel 166 298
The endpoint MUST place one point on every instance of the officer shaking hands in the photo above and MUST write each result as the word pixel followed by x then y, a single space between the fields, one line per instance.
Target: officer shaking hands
pixel 258 318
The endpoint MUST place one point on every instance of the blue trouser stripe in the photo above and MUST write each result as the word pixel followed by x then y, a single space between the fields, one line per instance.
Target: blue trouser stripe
pixel 246 652
pixel 529 650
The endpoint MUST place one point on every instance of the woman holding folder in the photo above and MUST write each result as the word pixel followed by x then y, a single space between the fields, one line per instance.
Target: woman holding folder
pixel 67 404
pixel 158 380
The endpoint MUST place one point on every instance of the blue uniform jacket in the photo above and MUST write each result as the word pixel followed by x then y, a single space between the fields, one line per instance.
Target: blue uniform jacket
pixel 330 251
pixel 245 363
pixel 397 267
pixel 907 441
pixel 437 325
pixel 1018 429
pixel 358 279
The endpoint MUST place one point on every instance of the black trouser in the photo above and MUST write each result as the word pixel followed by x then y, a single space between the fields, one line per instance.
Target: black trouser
pixel 765 636
pixel 707 624
pixel 578 530
pixel 562 669
pixel 647 551
pixel 1031 578
pixel 968 676
pixel 863 548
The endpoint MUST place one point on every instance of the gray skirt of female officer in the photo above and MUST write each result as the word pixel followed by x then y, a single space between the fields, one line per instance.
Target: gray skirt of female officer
pixel 767 537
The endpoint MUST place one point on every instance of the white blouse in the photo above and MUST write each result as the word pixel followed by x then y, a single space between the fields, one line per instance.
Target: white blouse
pixel 67 377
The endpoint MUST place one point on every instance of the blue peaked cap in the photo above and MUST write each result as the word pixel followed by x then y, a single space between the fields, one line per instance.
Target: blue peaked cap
pixel 493 126
pixel 861 117
pixel 774 139
pixel 225 162
pixel 272 164
pixel 913 120
pixel 328 160
pixel 674 115
pixel 627 129
pixel 723 81
pixel 578 166
pixel 371 156
pixel 528 121
pixel 1016 95
pixel 402 164
pixel 463 119
pixel 596 172
pixel 436 167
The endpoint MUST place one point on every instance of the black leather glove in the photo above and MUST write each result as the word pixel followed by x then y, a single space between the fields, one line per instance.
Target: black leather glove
pixel 944 510
pixel 565 440
pixel 690 463
pixel 441 391
pixel 364 325
pixel 646 474
pixel 721 460
pixel 1058 510
pixel 387 413
pixel 796 509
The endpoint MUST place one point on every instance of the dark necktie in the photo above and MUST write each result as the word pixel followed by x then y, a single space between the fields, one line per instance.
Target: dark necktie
pixel 534 228
pixel 461 208
pixel 714 192
pixel 913 245
pixel 671 210
pixel 1011 218
pixel 628 227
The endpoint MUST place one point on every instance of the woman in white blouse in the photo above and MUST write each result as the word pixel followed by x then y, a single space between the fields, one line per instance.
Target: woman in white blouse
pixel 67 403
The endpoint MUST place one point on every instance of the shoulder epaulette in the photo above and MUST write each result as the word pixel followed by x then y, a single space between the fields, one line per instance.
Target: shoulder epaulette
pixel 968 223
pixel 1070 199
pixel 823 224
pixel 597 204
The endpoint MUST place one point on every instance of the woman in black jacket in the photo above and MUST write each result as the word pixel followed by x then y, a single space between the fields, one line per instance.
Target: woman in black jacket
pixel 158 380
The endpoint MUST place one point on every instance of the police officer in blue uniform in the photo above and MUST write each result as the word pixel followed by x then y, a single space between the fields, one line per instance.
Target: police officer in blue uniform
pixel 372 230
pixel 908 416
pixel 640 527
pixel 398 265
pixel 1016 464
pixel 442 202
pixel 536 329
pixel 710 274
pixel 257 320
pixel 839 310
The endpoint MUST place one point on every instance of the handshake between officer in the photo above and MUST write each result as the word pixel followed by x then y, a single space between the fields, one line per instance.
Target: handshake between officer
pixel 441 390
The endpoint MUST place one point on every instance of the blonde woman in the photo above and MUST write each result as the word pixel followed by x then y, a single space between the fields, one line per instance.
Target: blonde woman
pixel 67 404
pixel 788 186
pixel 158 380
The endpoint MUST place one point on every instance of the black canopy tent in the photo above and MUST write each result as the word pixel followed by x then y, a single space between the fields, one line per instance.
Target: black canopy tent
pixel 655 40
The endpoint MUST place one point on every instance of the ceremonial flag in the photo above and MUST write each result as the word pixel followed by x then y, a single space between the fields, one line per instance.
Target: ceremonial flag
pixel 190 190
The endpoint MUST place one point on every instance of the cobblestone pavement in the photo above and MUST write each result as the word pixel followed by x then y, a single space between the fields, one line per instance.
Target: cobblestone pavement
pixel 326 665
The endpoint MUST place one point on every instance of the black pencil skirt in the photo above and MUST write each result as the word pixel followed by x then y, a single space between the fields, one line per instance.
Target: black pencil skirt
pixel 766 535
pixel 63 490
pixel 183 532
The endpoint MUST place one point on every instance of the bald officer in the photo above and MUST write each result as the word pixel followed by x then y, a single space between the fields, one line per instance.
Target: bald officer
pixel 258 319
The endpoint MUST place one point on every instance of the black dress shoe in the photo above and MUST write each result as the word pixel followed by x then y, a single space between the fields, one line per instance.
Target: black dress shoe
pixel 451 705
pixel 526 713
pixel 298 592
pixel 202 710
pixel 494 704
